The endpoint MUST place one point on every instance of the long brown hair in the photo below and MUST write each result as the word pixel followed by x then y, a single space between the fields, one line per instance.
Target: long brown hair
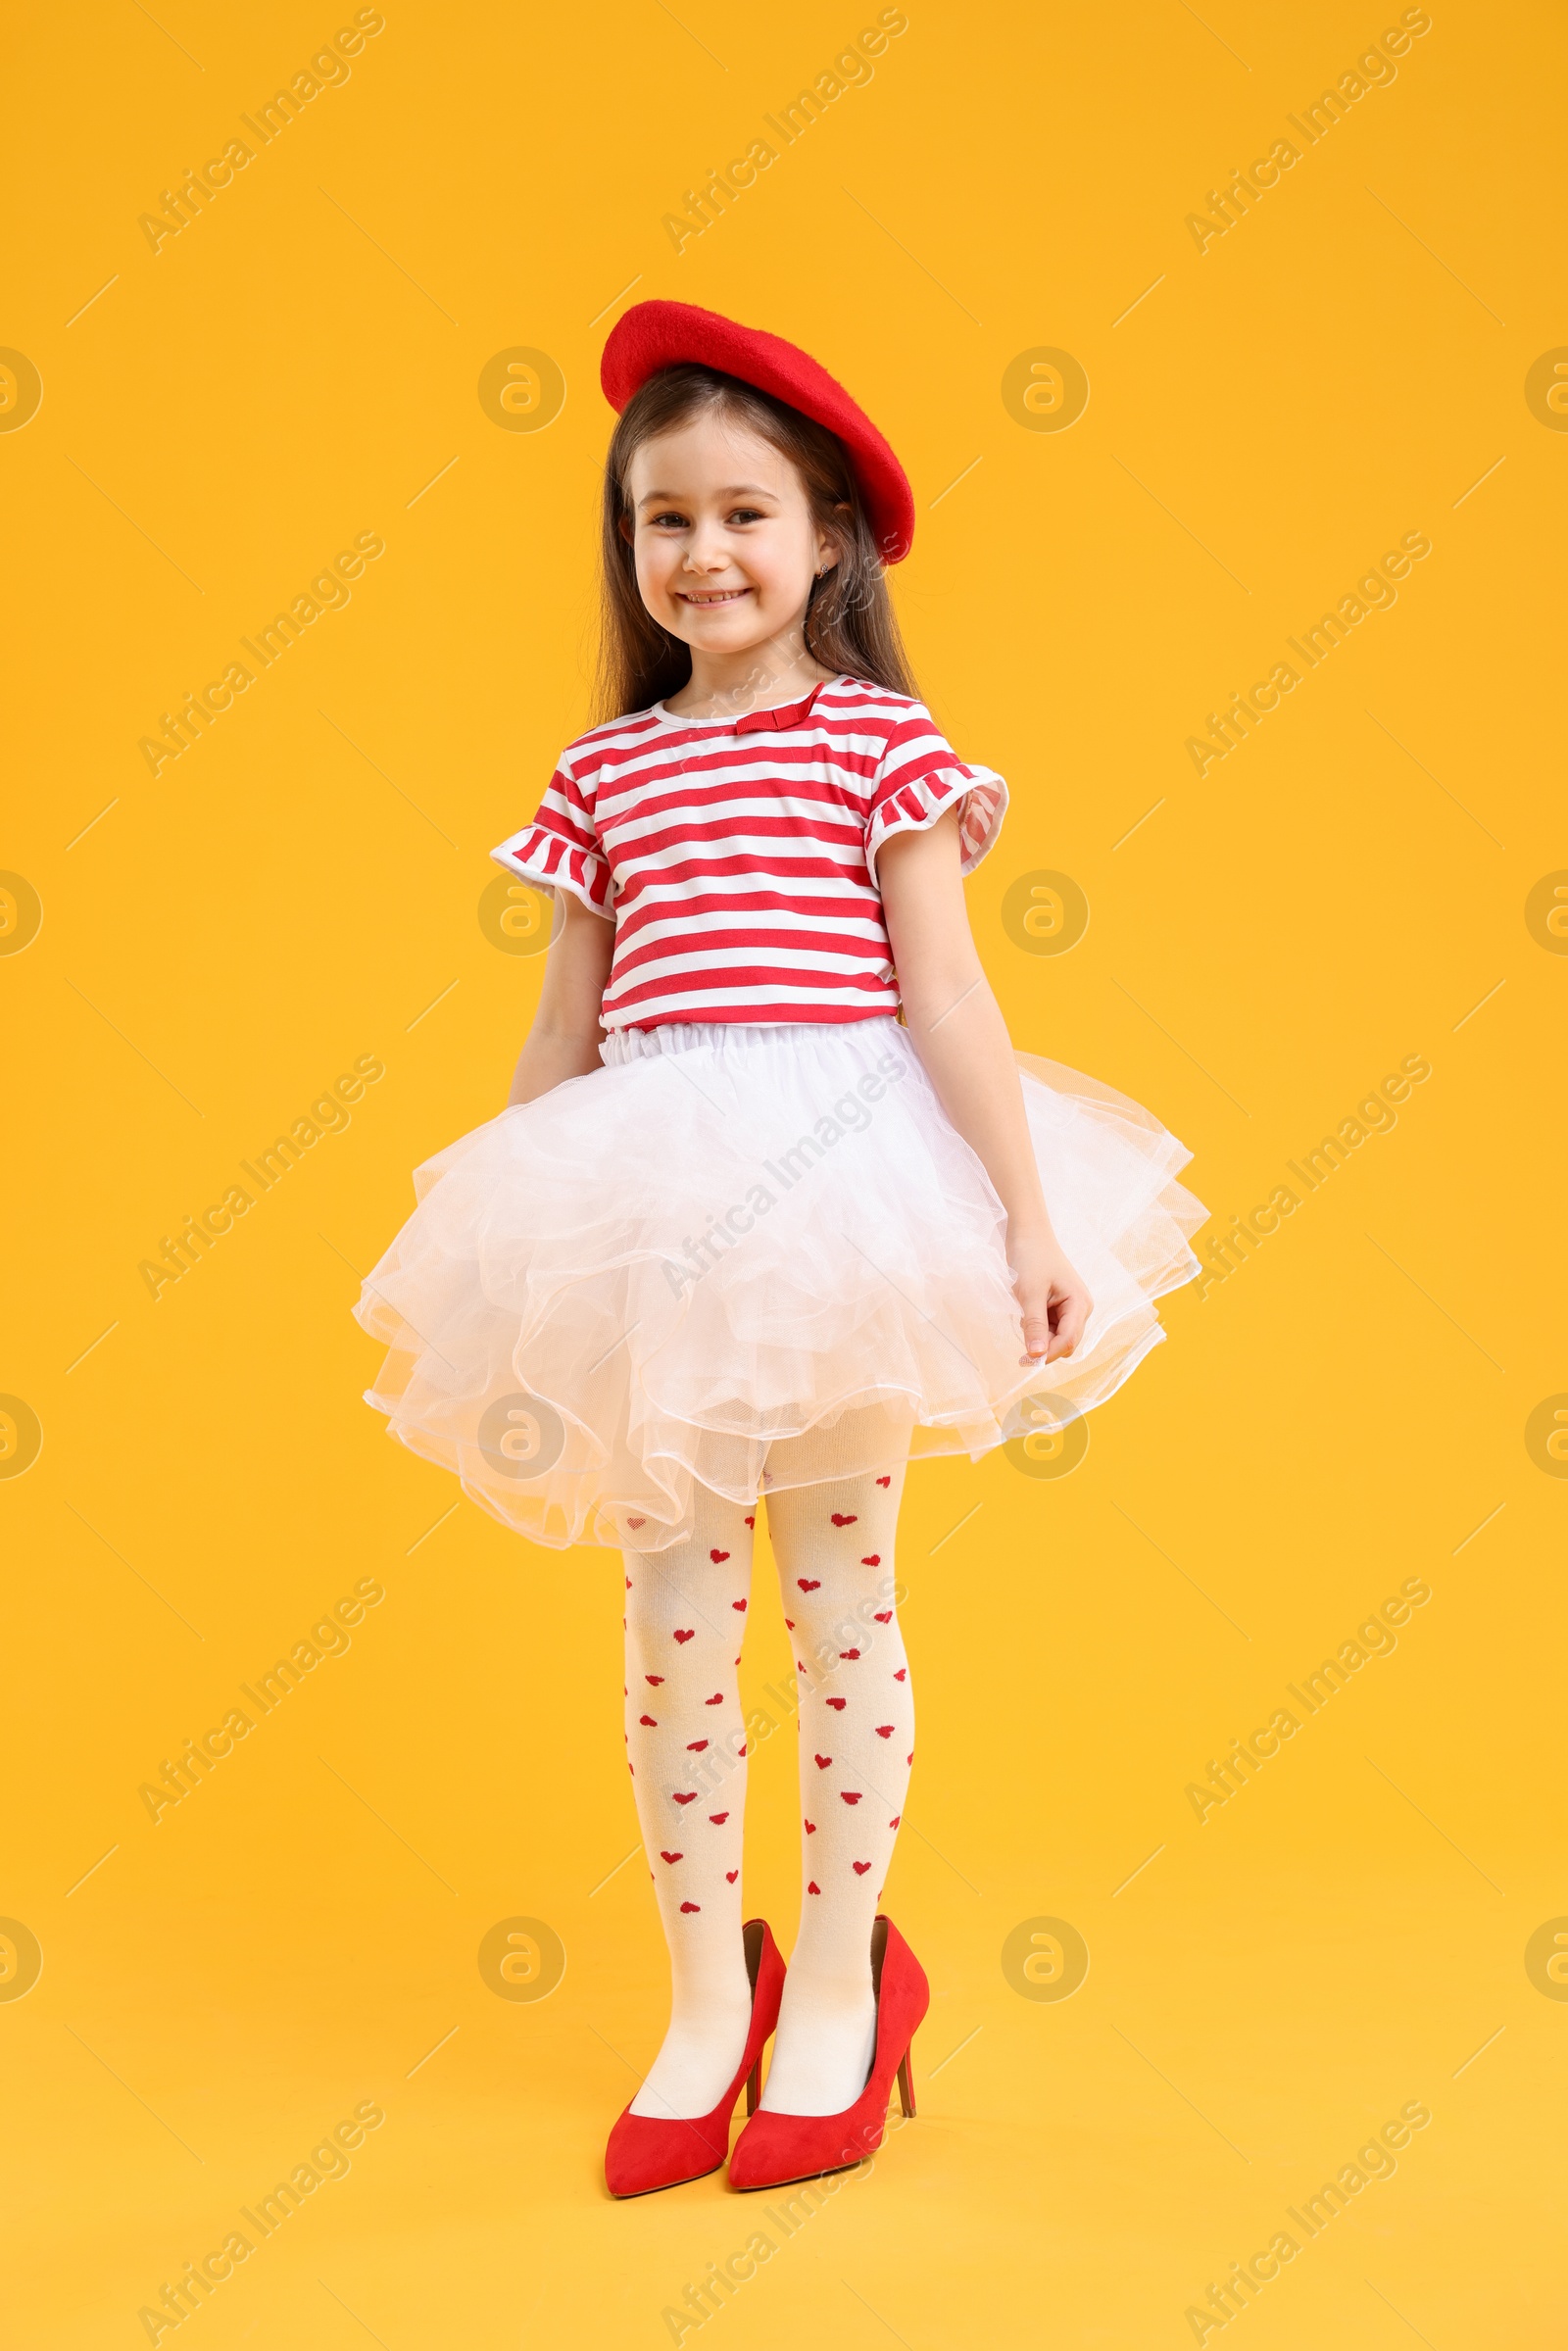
pixel 851 627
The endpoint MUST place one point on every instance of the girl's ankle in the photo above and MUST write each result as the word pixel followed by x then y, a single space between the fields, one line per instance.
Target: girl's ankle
pixel 829 1991
pixel 698 2010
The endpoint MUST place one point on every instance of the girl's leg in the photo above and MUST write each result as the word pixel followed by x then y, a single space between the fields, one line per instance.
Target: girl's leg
pixel 686 1746
pixel 834 1547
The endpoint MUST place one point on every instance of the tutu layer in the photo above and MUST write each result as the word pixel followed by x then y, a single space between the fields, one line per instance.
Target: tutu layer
pixel 735 1243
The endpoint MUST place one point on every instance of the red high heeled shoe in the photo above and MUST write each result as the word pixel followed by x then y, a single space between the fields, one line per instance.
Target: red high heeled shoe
pixel 647 2151
pixel 774 2149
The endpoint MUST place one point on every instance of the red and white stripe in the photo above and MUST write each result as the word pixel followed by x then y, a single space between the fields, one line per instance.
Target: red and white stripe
pixel 737 857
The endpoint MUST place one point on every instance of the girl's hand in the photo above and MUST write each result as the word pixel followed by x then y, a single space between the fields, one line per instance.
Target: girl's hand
pixel 1053 1295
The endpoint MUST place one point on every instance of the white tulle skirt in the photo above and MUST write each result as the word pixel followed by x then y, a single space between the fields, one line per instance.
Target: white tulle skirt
pixel 736 1254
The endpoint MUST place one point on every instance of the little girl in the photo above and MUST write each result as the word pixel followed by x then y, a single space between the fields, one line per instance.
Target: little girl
pixel 773 1205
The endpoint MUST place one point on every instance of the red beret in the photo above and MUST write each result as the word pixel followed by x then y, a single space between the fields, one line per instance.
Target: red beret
pixel 660 334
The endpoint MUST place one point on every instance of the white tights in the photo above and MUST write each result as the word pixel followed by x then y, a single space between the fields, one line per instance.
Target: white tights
pixel 686 1746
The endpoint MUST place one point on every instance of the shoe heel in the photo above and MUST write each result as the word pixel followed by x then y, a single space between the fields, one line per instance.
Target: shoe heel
pixel 753 2087
pixel 905 2085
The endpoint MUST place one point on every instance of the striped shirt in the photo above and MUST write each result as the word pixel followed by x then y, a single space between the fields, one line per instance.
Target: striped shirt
pixel 737 857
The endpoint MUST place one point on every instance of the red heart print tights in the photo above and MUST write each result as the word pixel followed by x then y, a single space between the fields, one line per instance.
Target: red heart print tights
pixel 686 1745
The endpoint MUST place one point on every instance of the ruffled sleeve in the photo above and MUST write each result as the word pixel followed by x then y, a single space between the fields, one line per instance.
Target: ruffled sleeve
pixel 919 777
pixel 562 850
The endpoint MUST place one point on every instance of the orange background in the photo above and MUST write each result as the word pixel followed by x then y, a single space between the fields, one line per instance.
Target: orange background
pixel 1348 1410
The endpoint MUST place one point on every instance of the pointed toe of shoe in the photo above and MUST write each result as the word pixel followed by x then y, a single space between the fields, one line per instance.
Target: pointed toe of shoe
pixel 775 2148
pixel 759 2158
pixel 645 2153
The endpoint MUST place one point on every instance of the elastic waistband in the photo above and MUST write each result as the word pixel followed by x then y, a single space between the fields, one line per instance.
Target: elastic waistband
pixel 735 1036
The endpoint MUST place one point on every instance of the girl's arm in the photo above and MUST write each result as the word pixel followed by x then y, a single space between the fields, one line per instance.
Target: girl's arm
pixel 564 1039
pixel 956 1026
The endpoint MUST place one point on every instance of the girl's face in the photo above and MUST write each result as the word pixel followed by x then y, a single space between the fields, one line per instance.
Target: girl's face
pixel 725 544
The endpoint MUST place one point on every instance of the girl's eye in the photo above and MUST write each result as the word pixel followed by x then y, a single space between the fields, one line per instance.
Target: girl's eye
pixel 659 521
pixel 748 513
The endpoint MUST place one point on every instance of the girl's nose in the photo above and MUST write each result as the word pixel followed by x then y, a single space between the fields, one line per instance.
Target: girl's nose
pixel 707 550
